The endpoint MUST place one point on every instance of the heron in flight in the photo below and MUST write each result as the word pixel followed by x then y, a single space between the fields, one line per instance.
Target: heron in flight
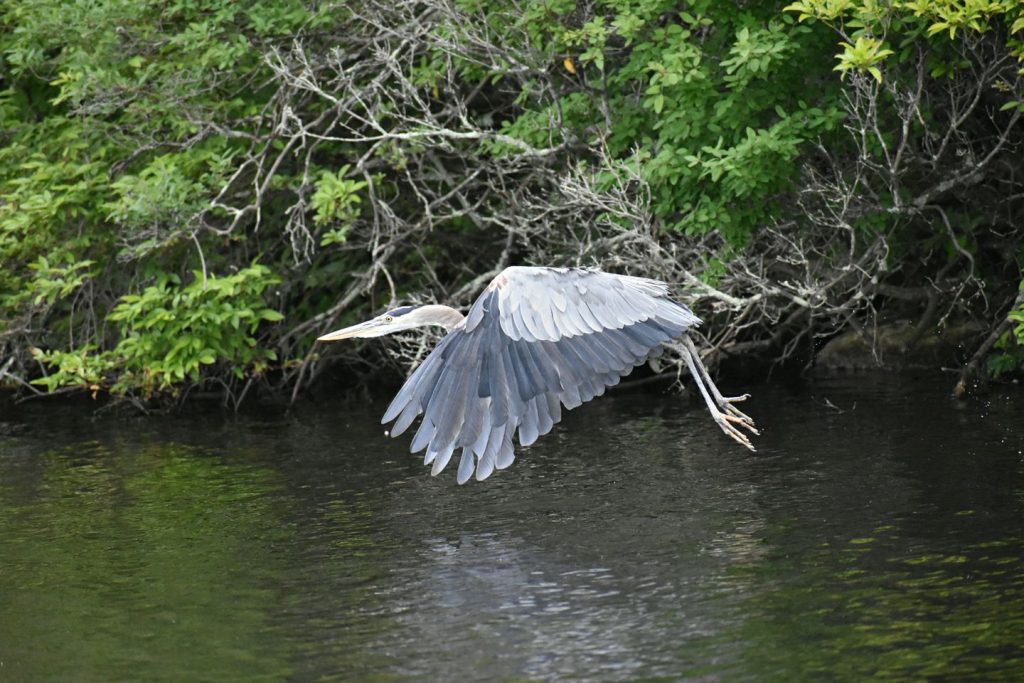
pixel 535 340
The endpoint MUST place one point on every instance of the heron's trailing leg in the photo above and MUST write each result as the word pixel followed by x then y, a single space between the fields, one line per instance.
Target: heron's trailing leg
pixel 724 402
pixel 720 407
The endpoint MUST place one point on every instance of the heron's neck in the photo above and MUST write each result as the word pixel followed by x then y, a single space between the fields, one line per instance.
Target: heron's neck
pixel 445 316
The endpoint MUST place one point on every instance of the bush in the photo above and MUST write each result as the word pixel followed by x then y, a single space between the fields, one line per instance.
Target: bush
pixel 170 332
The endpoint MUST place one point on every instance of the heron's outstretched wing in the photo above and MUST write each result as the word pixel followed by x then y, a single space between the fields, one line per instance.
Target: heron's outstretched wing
pixel 537 339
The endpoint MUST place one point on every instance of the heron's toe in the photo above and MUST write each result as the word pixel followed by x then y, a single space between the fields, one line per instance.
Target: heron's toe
pixel 743 421
pixel 725 422
pixel 740 415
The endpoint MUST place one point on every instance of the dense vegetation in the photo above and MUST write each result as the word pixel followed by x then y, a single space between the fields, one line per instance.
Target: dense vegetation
pixel 191 191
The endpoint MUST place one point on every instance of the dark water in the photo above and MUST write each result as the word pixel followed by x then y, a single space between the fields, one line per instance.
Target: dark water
pixel 635 542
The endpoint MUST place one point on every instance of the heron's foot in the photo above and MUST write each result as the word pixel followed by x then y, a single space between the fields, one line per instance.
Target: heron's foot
pixel 743 421
pixel 726 404
pixel 739 417
pixel 728 424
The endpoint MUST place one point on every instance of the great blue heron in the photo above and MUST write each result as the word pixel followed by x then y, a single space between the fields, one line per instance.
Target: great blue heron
pixel 536 339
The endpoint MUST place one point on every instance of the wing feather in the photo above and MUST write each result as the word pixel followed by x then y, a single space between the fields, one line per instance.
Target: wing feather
pixel 595 354
pixel 548 371
pixel 574 322
pixel 646 336
pixel 489 455
pixel 420 381
pixel 439 457
pixel 449 421
pixel 532 317
pixel 484 467
pixel 518 359
pixel 405 418
pixel 472 425
pixel 423 435
pixel 435 403
pixel 629 342
pixel 588 317
pixel 528 428
pixel 548 322
pixel 506 451
pixel 483 435
pixel 501 390
pixel 465 466
pixel 545 415
pixel 554 411
pixel 571 397
pixel 536 340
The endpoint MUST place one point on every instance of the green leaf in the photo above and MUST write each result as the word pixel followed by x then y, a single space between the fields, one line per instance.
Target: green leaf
pixel 271 315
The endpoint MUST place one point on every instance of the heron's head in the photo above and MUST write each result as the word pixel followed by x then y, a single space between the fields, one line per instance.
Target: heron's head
pixel 395 320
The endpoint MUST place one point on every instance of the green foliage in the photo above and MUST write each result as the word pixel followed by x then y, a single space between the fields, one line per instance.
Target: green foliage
pixel 1010 346
pixel 962 44
pixel 114 139
pixel 725 132
pixel 153 204
pixel 169 332
pixel 57 281
pixel 159 141
pixel 336 201
pixel 1016 316
pixel 865 54
pixel 52 184
pixel 872 25
pixel 709 104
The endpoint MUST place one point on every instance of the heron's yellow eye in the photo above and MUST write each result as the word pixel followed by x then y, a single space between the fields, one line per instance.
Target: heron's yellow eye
pixel 388 319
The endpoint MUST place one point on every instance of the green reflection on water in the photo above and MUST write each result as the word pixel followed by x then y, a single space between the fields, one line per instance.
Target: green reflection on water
pixel 336 611
pixel 139 567
pixel 876 608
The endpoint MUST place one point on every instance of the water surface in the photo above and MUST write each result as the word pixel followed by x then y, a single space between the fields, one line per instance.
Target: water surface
pixel 877 533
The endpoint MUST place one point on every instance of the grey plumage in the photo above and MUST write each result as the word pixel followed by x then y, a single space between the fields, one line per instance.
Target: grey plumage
pixel 518 358
pixel 535 341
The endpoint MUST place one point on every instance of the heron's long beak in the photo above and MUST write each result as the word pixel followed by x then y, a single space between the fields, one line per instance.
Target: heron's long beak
pixel 348 332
